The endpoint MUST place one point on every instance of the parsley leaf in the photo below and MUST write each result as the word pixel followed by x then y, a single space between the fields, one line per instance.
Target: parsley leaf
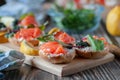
pixel 97 45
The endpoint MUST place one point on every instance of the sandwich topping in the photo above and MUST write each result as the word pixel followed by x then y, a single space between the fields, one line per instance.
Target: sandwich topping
pixel 64 37
pixel 28 34
pixel 52 47
pixel 93 43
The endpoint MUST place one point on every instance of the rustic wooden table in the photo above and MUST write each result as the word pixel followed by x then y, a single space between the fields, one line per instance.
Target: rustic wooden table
pixel 108 71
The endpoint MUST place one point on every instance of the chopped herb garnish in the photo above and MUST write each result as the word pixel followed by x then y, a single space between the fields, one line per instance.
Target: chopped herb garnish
pixel 76 19
pixel 50 37
pixel 97 45
pixel 46 38
pixel 24 15
pixel 42 27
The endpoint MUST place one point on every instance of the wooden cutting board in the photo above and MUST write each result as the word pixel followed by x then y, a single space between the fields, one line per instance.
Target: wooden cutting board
pixel 77 65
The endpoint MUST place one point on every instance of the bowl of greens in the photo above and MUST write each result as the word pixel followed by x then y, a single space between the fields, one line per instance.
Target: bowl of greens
pixel 76 20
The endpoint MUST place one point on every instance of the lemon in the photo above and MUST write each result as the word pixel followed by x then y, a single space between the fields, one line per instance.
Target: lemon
pixel 28 49
pixel 53 30
pixel 113 21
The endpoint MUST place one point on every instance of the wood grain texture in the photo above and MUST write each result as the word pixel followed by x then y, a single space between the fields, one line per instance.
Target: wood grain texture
pixel 76 65
pixel 109 71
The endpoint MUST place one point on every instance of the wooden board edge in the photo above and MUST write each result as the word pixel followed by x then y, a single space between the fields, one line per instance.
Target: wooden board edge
pixel 47 69
pixel 88 66
pixel 64 71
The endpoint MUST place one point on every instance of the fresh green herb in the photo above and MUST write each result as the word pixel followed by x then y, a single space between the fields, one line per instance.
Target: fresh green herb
pixel 42 27
pixel 77 19
pixel 46 38
pixel 50 37
pixel 97 45
pixel 24 15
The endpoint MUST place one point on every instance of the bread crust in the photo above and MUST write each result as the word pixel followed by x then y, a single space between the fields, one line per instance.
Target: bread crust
pixel 14 41
pixel 91 54
pixel 58 58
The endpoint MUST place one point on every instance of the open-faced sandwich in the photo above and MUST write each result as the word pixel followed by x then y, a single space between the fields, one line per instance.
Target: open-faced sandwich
pixel 55 46
pixel 56 53
pixel 62 36
pixel 29 35
pixel 28 20
pixel 91 47
pixel 58 35
pixel 25 29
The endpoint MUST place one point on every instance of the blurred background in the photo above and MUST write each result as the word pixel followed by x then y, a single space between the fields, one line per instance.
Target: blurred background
pixel 7 5
pixel 63 13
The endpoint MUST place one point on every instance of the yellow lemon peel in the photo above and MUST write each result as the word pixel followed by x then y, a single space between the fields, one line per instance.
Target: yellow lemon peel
pixel 53 30
pixel 113 21
pixel 28 49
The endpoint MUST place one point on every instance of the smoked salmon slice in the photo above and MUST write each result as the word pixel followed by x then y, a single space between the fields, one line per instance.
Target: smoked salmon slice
pixel 28 34
pixel 52 47
pixel 64 37
pixel 28 20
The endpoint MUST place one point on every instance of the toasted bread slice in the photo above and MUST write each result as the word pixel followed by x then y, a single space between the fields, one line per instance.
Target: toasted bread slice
pixel 15 41
pixel 58 58
pixel 88 53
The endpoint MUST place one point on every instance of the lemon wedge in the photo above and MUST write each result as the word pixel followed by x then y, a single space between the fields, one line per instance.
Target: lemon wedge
pixel 28 49
pixel 53 30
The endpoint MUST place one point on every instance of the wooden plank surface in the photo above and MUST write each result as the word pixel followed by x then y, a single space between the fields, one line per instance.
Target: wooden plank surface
pixel 109 71
pixel 77 65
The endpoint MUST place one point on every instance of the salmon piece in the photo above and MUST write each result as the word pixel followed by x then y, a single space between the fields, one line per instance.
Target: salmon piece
pixel 28 20
pixel 28 34
pixel 52 47
pixel 64 37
